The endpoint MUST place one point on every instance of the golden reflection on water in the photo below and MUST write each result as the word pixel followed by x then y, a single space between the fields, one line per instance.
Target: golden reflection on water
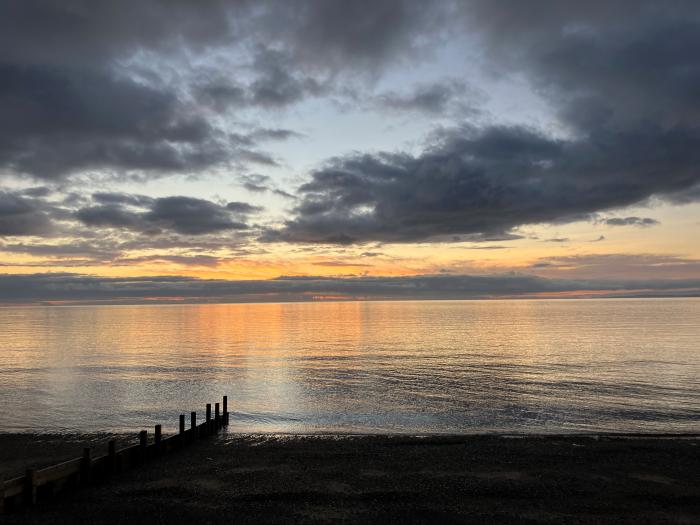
pixel 444 366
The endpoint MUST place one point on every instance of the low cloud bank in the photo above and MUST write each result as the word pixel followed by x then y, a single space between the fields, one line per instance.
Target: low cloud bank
pixel 68 287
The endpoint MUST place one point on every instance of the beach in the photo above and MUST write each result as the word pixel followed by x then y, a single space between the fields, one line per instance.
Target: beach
pixel 257 478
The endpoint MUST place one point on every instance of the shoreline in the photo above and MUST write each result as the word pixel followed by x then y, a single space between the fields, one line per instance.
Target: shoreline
pixel 320 478
pixel 22 450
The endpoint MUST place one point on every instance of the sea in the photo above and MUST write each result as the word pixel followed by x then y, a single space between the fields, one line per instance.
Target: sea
pixel 395 367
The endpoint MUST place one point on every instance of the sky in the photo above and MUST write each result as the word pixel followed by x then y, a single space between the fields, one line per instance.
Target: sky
pixel 323 149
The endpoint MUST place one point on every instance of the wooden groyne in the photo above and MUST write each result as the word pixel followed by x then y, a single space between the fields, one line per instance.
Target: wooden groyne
pixel 48 482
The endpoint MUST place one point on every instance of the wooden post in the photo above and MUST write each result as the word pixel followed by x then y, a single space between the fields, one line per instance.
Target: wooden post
pixel 208 425
pixel 182 427
pixel 217 421
pixel 225 410
pixel 112 456
pixel 159 439
pixel 193 424
pixel 30 487
pixel 86 474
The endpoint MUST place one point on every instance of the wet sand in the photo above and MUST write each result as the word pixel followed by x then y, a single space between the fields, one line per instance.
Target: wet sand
pixel 368 479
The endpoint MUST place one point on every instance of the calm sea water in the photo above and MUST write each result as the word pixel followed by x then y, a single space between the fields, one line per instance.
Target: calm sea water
pixel 416 367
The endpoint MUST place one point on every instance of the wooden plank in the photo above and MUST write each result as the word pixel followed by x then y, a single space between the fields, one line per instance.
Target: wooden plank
pixel 207 428
pixel 59 471
pixel 14 486
pixel 225 411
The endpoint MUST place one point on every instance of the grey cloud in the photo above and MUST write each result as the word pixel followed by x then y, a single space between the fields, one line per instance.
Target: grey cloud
pixel 55 122
pixel 277 85
pixel 257 183
pixel 91 252
pixel 37 191
pixel 485 181
pixel 243 208
pixel 257 157
pixel 625 82
pixel 191 216
pixel 122 198
pixel 184 260
pixel 630 221
pixel 51 32
pixel 488 248
pixel 83 87
pixel 362 35
pixel 339 264
pixel 221 94
pixel 184 215
pixel 23 216
pixel 74 287
pixel 557 239
pixel 275 134
pixel 632 266
pixel 451 97
pixel 111 216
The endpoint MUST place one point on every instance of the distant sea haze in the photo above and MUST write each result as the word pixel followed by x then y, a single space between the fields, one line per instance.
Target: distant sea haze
pixel 532 366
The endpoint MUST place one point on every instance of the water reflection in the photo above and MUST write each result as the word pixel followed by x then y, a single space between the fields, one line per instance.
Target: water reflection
pixel 540 366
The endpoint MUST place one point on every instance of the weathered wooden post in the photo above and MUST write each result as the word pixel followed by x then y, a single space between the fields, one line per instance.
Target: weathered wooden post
pixel 159 439
pixel 208 425
pixel 225 410
pixel 29 487
pixel 217 421
pixel 193 424
pixel 182 427
pixel 112 456
pixel 86 467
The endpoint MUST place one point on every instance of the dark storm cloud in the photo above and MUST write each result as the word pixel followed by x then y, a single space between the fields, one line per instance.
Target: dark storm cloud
pixel 487 181
pixel 74 287
pixel 630 221
pixel 54 31
pixel 362 35
pixel 60 119
pixel 83 88
pixel 625 80
pixel 184 215
pixel 82 85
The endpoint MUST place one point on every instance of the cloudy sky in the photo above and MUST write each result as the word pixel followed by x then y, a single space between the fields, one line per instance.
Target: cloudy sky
pixel 262 150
